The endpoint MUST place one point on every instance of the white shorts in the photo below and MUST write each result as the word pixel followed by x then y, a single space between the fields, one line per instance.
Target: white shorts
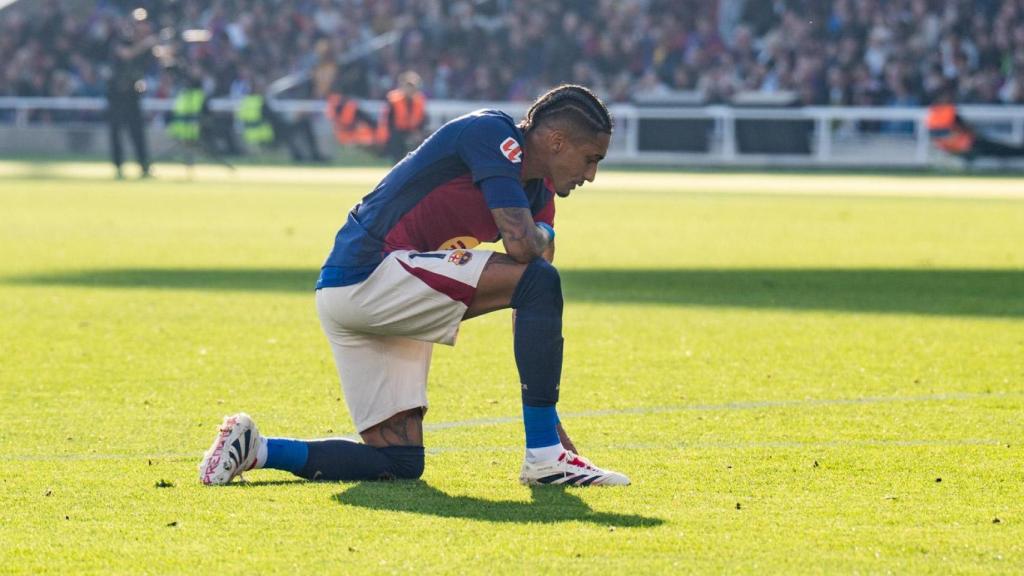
pixel 382 330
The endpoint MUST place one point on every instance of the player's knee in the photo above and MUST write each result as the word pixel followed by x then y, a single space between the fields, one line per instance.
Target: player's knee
pixel 540 287
pixel 407 462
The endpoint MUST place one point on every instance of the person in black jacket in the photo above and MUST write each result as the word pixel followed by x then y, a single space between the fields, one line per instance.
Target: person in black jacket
pixel 130 52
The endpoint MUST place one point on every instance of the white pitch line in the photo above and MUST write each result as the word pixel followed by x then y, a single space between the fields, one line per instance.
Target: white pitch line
pixel 772 444
pixel 864 185
pixel 751 405
pixel 706 445
pixel 928 185
pixel 643 410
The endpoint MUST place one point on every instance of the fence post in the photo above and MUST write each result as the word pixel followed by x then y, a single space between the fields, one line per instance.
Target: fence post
pixel 823 126
pixel 728 133
pixel 921 131
pixel 632 133
pixel 21 117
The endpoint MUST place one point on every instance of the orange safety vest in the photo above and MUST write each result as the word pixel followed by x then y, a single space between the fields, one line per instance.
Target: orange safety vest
pixel 405 114
pixel 348 127
pixel 947 133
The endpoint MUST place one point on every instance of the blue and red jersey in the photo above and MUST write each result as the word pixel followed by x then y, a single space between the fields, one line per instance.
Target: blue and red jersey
pixel 439 197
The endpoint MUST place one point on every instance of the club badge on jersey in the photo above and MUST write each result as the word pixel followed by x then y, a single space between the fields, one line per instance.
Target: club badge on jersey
pixel 460 257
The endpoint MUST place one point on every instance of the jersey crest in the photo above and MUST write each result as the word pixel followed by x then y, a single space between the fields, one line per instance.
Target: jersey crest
pixel 460 257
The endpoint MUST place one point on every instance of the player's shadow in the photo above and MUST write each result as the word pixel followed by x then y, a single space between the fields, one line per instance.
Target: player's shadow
pixel 202 279
pixel 254 484
pixel 941 292
pixel 549 504
pixel 938 292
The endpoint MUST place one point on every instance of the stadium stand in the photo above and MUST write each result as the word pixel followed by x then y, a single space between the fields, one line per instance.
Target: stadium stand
pixel 772 82
pixel 840 52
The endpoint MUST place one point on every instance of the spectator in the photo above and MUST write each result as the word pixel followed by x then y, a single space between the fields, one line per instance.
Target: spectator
pixel 129 55
pixel 400 127
pixel 817 49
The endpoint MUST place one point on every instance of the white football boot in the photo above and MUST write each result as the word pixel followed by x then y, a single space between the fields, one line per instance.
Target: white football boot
pixel 569 470
pixel 233 451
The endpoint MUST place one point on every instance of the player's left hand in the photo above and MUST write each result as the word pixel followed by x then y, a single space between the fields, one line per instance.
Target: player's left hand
pixel 566 441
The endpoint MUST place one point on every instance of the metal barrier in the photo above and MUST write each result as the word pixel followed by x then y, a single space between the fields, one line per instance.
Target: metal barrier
pixel 837 136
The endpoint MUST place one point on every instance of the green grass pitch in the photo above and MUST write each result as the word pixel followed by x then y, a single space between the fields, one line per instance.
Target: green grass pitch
pixel 801 374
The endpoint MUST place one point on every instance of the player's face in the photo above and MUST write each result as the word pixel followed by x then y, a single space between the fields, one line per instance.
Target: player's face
pixel 576 162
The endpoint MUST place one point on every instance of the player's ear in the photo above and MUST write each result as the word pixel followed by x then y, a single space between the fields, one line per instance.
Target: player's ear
pixel 556 140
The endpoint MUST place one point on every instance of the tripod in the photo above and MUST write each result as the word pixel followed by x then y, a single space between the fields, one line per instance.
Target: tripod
pixel 188 150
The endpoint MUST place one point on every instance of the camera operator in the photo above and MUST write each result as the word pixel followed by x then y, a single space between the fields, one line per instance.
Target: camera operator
pixel 130 53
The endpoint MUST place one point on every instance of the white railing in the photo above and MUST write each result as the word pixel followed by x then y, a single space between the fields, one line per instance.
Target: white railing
pixel 835 136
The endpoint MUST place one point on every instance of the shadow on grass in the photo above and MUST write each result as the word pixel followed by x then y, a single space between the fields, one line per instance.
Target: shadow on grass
pixel 550 504
pixel 948 292
pixel 943 292
pixel 249 484
pixel 203 279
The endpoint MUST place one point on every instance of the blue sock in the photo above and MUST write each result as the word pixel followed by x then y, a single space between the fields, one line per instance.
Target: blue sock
pixel 541 426
pixel 341 459
pixel 286 454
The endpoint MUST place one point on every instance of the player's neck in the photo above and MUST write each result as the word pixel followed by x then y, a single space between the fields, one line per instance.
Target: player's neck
pixel 532 169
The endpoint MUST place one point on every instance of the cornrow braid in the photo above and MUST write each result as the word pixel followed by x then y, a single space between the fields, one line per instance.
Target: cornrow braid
pixel 569 100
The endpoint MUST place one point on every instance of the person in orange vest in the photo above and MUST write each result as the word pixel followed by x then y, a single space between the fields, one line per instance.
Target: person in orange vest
pixel 951 134
pixel 351 126
pixel 400 128
pixel 948 131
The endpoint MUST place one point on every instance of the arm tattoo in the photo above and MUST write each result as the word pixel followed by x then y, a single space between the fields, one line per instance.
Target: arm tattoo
pixel 518 229
pixel 514 223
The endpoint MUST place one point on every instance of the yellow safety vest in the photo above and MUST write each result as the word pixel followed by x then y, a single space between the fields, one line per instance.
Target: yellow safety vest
pixel 187 107
pixel 256 128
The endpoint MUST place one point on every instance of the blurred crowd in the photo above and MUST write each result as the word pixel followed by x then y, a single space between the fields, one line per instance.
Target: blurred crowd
pixel 839 52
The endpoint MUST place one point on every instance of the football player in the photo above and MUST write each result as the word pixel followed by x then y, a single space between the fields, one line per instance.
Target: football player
pixel 405 272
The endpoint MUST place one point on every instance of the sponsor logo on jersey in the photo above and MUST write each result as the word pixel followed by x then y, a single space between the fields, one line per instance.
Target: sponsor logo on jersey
pixel 511 150
pixel 460 257
pixel 459 242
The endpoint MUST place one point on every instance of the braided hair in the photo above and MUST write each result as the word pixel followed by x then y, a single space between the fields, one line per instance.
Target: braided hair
pixel 573 104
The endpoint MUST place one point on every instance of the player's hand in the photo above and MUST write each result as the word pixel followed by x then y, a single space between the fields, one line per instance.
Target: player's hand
pixel 549 232
pixel 566 441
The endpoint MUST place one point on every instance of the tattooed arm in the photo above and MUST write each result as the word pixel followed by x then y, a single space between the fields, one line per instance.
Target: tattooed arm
pixel 523 240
